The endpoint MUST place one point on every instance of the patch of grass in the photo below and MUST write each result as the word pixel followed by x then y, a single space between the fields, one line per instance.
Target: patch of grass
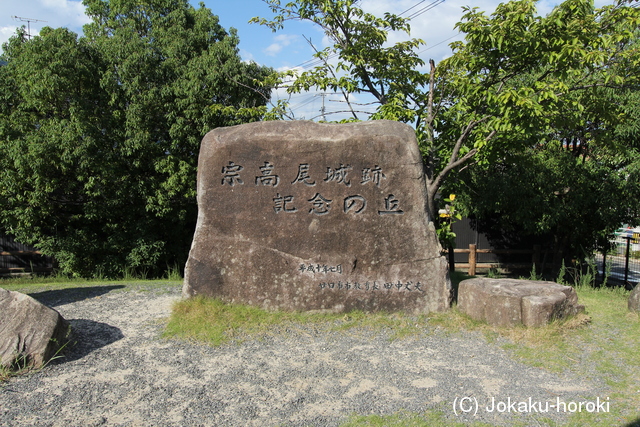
pixel 601 344
pixel 212 321
pixel 19 366
pixel 39 283
pixel 407 419
pixel 173 273
pixel 22 365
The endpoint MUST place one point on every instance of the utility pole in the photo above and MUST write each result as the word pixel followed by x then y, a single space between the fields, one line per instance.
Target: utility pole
pixel 28 21
pixel 323 110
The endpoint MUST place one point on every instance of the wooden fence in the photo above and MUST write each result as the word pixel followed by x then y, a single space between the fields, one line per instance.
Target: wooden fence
pixel 472 265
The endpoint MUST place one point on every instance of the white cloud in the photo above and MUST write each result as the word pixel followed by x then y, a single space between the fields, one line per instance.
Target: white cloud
pixel 7 32
pixel 280 42
pixel 247 56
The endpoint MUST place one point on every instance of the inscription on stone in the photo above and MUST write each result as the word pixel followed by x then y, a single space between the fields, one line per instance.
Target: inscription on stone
pixel 319 205
pixel 308 216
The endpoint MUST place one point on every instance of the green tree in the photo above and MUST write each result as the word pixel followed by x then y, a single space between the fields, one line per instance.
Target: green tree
pixel 511 78
pixel 100 134
pixel 570 191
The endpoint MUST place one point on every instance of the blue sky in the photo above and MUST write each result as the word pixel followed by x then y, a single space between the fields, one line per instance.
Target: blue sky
pixel 282 50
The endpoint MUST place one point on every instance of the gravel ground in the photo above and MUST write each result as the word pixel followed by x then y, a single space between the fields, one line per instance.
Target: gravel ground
pixel 122 373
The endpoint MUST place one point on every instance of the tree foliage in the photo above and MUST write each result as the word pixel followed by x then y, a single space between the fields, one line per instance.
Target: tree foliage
pixel 569 192
pixel 100 133
pixel 515 80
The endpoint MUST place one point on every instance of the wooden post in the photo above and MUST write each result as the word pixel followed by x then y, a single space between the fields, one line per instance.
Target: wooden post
pixel 452 259
pixel 472 259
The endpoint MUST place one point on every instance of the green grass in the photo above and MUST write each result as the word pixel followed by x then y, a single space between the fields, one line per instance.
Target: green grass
pixel 37 284
pixel 214 322
pixel 407 419
pixel 21 364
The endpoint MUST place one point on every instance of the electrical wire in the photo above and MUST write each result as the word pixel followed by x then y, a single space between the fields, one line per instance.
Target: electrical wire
pixel 314 62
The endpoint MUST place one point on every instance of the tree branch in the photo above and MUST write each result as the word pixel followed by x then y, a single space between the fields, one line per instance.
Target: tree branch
pixel 330 68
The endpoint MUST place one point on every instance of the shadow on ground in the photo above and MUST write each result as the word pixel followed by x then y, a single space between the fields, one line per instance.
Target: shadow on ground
pixel 87 336
pixel 67 296
pixel 635 423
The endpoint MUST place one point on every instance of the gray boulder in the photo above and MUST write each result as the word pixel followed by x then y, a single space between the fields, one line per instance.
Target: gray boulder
pixel 510 302
pixel 29 331
pixel 634 299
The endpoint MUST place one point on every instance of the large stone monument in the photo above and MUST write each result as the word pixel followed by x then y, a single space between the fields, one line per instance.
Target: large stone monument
pixel 308 216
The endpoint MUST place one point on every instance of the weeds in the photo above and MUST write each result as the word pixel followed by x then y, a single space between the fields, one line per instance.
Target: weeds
pixel 173 273
pixel 493 273
pixel 22 363
pixel 582 275
pixel 533 275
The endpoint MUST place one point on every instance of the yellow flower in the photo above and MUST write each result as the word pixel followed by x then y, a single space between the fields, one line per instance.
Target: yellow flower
pixel 452 197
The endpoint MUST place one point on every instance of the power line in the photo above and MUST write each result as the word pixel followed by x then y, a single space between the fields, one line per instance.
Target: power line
pixel 439 43
pixel 425 9
pixel 313 62
pixel 415 5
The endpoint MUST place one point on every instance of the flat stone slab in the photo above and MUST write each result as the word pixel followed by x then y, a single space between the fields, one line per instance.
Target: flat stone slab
pixel 307 216
pixel 511 302
pixel 29 330
pixel 634 299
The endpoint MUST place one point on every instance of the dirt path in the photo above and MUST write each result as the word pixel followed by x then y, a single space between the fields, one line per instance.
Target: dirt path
pixel 121 373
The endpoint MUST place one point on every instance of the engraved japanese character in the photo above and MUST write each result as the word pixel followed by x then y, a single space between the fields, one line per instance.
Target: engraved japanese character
pixel 391 206
pixel 356 201
pixel 374 175
pixel 303 175
pixel 321 206
pixel 281 203
pixel 336 269
pixel 231 174
pixel 388 285
pixel 339 175
pixel 267 178
pixel 417 287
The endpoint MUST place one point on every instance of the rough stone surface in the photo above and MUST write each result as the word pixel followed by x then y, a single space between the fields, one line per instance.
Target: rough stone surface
pixel 634 299
pixel 510 302
pixel 308 216
pixel 28 329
